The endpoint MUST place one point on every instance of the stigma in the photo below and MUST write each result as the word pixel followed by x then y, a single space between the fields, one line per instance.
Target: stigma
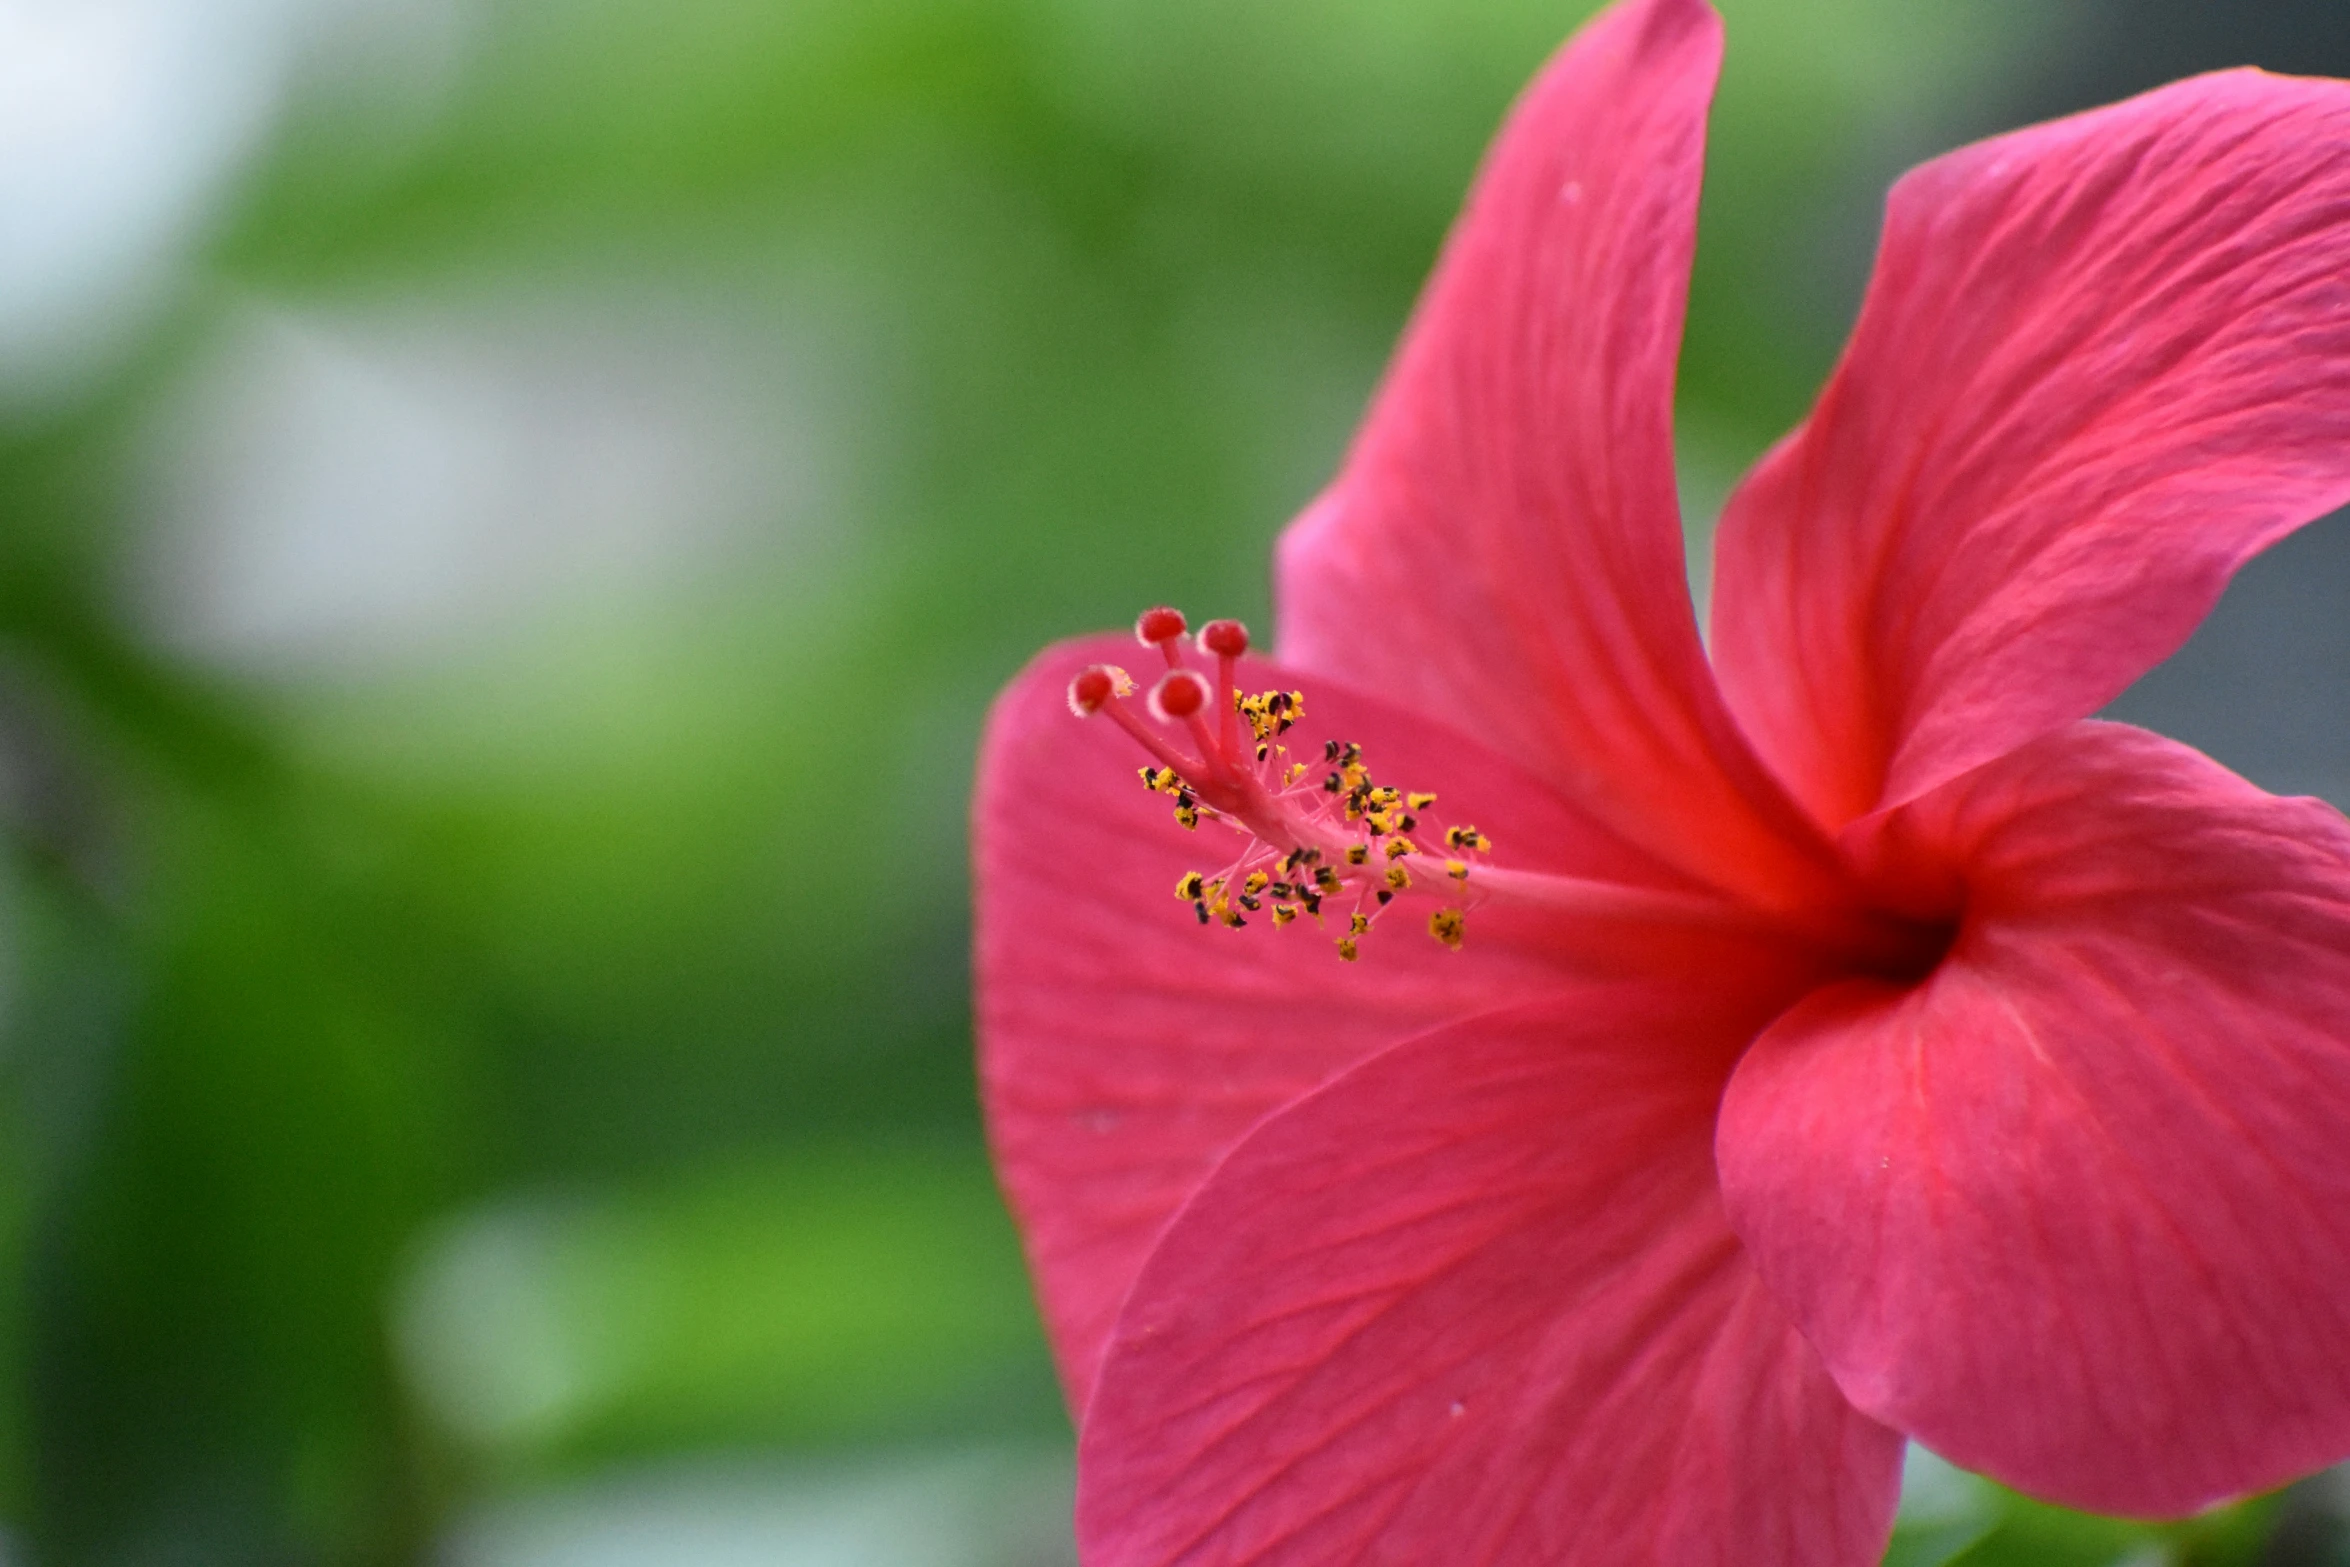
pixel 1319 838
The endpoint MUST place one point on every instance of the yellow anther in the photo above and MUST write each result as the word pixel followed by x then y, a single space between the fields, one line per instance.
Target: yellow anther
pixel 1269 713
pixel 1293 883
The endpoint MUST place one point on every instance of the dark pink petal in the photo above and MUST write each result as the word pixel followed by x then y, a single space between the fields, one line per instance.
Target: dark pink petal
pixel 1475 1303
pixel 1503 546
pixel 1123 1047
pixel 2103 361
pixel 2076 1209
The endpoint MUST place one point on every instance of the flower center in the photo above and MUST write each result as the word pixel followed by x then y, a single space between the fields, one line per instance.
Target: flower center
pixel 1321 839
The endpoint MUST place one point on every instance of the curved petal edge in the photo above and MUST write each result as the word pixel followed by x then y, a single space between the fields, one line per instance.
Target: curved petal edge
pixel 1503 546
pixel 1475 1302
pixel 2076 1210
pixel 2103 361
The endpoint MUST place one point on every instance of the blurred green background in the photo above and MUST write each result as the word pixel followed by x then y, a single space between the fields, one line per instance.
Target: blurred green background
pixel 510 513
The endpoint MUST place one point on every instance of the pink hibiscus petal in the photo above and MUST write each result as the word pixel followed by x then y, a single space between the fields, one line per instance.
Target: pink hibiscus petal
pixel 1475 1302
pixel 1124 1047
pixel 1503 546
pixel 2103 361
pixel 2075 1210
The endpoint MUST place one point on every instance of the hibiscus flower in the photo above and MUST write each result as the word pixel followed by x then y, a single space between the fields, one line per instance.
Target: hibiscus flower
pixel 1842 1038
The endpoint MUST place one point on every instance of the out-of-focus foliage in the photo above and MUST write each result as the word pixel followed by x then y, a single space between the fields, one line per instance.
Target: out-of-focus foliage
pixel 1951 1517
pixel 513 512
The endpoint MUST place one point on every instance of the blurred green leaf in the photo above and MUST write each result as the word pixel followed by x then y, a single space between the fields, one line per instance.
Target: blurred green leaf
pixel 848 1293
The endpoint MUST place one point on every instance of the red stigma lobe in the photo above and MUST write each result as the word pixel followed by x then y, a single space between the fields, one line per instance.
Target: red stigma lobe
pixel 1156 627
pixel 1180 694
pixel 1095 686
pixel 1224 638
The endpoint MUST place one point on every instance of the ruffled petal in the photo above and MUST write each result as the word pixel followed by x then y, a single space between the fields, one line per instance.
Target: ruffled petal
pixel 1503 546
pixel 1124 1048
pixel 2102 362
pixel 1475 1302
pixel 2075 1210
